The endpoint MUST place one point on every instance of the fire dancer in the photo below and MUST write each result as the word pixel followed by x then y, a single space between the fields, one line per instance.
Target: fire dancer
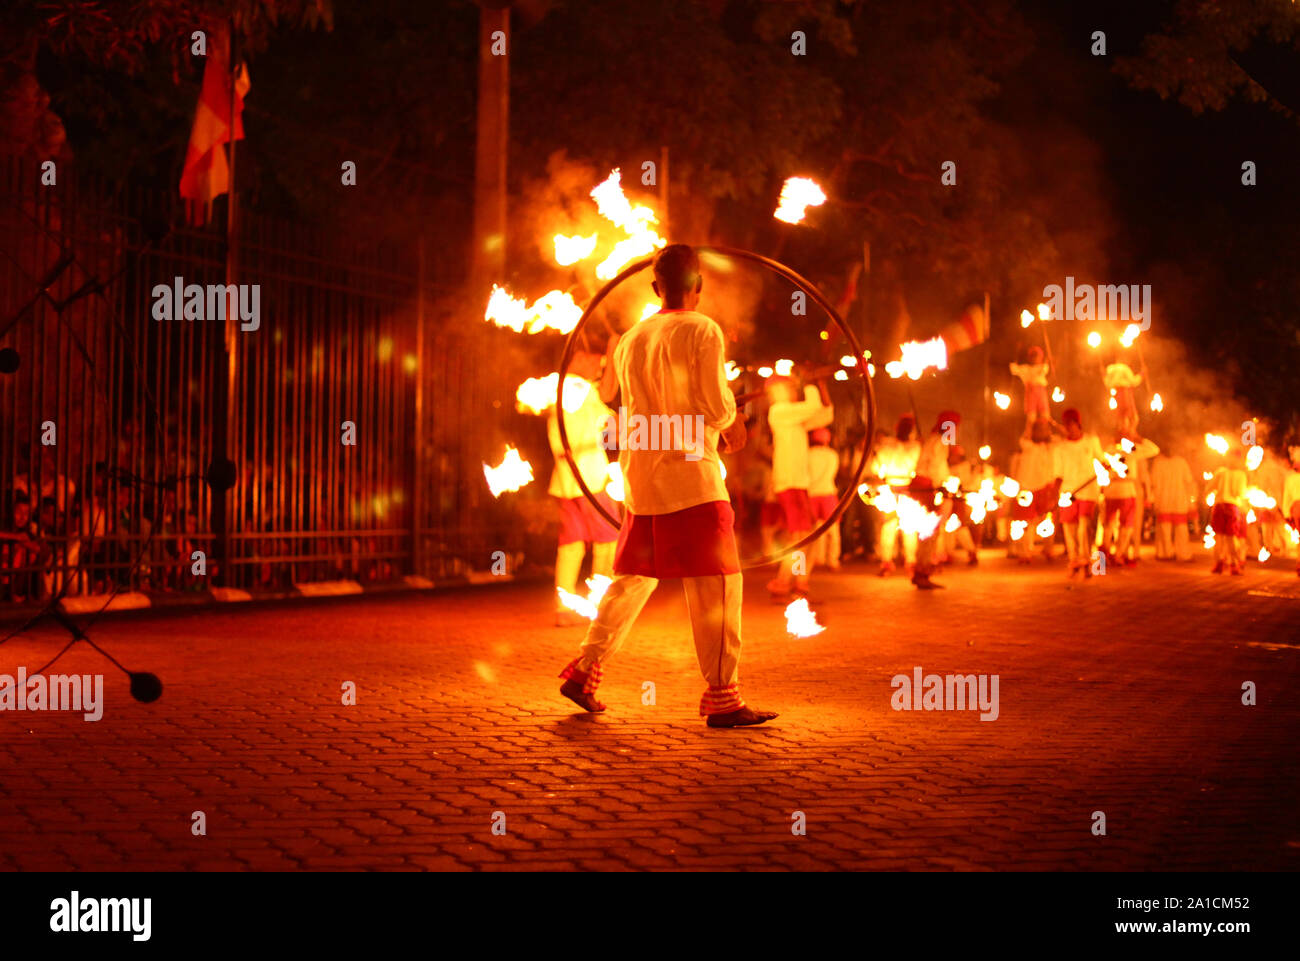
pixel 1120 380
pixel 791 419
pixel 1034 376
pixel 927 485
pixel 823 465
pixel 1227 516
pixel 580 522
pixel 894 463
pixel 1074 465
pixel 966 537
pixel 679 522
pixel 1121 508
pixel 1174 493
pixel 1035 471
pixel 1291 498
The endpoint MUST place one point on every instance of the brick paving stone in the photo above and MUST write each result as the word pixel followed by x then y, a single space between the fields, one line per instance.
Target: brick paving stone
pixel 1122 694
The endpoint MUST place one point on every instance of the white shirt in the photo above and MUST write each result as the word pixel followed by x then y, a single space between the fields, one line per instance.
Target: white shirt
pixel 1072 462
pixel 670 365
pixel 790 422
pixel 584 427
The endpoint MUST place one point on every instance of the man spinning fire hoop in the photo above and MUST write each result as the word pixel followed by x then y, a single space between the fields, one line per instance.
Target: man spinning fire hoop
pixel 679 519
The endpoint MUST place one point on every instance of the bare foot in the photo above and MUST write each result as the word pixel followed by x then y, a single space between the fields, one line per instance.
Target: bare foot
pixel 573 691
pixel 742 718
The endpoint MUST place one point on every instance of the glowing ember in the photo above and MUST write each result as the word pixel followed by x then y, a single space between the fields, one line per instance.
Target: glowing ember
pixel 1103 478
pixel 555 310
pixel 1001 399
pixel 784 367
pixel 951 485
pixel 841 375
pixel 1295 535
pixel 1130 334
pixel 1112 403
pixel 1044 312
pixel 986 452
pixel 586 606
pixel 1018 529
pixel 1157 404
pixel 1206 475
pixel 797 195
pixel 1254 457
pixel 871 370
pixel 894 369
pixel 1010 487
pixel 1058 395
pixel 536 395
pixel 510 475
pixel 1046 528
pixel 920 355
pixel 848 360
pixel 1264 554
pixel 764 372
pixel 1026 318
pixel 634 221
pixel 1065 500
pixel 1094 340
pixel 1216 443
pixel 1025 498
pixel 570 250
pixel 1257 498
pixel 800 621
pixel 954 522
pixel 732 371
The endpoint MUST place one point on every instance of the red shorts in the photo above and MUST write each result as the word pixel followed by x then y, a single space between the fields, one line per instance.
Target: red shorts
pixel 1036 399
pixel 1173 518
pixel 695 542
pixel 581 522
pixel 1042 503
pixel 796 510
pixel 1125 507
pixel 823 506
pixel 1078 510
pixel 1228 520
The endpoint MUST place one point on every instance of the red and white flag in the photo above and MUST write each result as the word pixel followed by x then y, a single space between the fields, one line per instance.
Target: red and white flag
pixel 207 175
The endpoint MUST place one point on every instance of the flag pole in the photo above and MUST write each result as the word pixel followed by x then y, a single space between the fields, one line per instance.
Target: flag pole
pixel 225 414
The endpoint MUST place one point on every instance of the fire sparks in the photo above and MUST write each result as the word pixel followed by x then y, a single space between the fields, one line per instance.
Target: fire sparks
pixel 1216 443
pixel 1254 457
pixel 586 606
pixel 985 452
pixel 1094 340
pixel 800 621
pixel 848 360
pixel 1010 487
pixel 841 375
pixel 797 195
pixel 920 355
pixel 731 370
pixel 511 474
pixel 636 222
pixel 784 367
pixel 1046 528
pixel 1103 478
pixel 1002 400
pixel 1026 318
pixel 1208 540
pixel 555 310
pixel 1157 404
pixel 1018 529
pixel 764 372
pixel 1025 498
pixel 1130 335
pixel 1044 312
pixel 1257 498
pixel 1058 395
pixel 536 395
pixel 1264 554
pixel 570 250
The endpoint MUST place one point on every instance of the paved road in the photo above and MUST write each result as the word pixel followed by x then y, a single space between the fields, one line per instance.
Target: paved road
pixel 1122 695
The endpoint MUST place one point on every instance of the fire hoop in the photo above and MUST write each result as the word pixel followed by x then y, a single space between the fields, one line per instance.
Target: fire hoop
pixel 868 400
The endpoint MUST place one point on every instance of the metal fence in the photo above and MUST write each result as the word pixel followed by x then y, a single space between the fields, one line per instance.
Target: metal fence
pixel 111 418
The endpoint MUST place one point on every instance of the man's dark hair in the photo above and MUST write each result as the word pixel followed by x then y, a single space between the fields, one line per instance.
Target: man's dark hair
pixel 677 270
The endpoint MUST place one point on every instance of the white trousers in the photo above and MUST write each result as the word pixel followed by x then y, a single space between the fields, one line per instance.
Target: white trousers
pixel 714 606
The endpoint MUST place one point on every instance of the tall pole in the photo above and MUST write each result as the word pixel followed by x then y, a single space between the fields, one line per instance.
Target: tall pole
pixel 988 350
pixel 488 257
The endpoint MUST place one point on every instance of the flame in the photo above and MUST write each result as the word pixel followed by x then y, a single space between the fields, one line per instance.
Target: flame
pixel 1044 312
pixel 570 250
pixel 1010 487
pixel 894 369
pixel 985 452
pixel 510 475
pixel 1065 500
pixel 1103 478
pixel 731 370
pixel 1250 517
pixel 1112 403
pixel 1094 340
pixel 920 355
pixel 1046 528
pixel 649 310
pixel 1264 554
pixel 636 222
pixel 536 395
pixel 871 370
pixel 614 485
pixel 1001 399
pixel 1058 395
pixel 800 621
pixel 1157 404
pixel 1206 475
pixel 951 485
pixel 783 367
pixel 913 518
pixel 1130 334
pixel 1018 529
pixel 841 375
pixel 797 195
pixel 1025 498
pixel 1295 535
pixel 954 522
pixel 1209 499
pixel 555 310
pixel 848 360
pixel 1257 498
pixel 1254 457
pixel 1116 464
pixel 1026 318
pixel 1208 540
pixel 586 606
pixel 1216 443
pixel 764 372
